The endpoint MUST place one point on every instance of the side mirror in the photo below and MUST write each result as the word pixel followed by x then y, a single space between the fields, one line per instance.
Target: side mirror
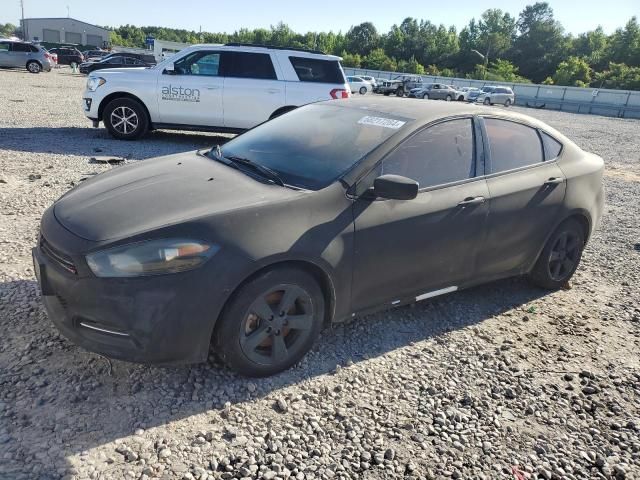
pixel 395 187
pixel 169 69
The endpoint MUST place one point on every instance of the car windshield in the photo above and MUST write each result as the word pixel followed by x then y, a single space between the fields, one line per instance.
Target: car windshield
pixel 313 146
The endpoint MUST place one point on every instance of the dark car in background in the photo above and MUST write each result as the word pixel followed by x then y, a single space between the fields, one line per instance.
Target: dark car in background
pixel 114 61
pixel 94 55
pixel 330 211
pixel 400 85
pixel 68 55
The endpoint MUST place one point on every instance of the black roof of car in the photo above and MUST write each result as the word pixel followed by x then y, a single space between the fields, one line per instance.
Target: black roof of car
pixel 425 113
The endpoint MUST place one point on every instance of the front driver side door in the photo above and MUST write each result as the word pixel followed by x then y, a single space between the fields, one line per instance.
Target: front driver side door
pixel 192 94
pixel 408 250
pixel 5 55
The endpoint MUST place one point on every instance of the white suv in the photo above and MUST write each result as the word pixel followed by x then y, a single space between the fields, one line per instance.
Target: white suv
pixel 222 88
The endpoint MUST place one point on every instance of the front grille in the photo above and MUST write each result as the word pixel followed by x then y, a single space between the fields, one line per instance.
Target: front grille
pixel 58 257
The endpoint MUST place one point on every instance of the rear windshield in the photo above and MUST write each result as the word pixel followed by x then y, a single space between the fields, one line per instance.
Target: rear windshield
pixel 313 146
pixel 316 70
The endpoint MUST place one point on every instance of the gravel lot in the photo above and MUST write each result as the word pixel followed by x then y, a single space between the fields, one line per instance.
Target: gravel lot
pixel 502 381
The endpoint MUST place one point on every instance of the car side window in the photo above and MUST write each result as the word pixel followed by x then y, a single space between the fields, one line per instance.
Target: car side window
pixel 20 47
pixel 4 46
pixel 442 153
pixel 552 147
pixel 250 65
pixel 203 62
pixel 512 145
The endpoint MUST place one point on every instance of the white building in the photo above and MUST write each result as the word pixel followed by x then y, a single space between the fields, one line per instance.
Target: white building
pixel 64 30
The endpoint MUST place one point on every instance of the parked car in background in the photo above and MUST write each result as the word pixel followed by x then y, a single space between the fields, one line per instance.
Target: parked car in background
pixel 330 211
pixel 400 85
pixel 188 90
pixel 114 61
pixel 464 92
pixel 94 55
pixel 359 84
pixel 434 91
pixel 370 79
pixel 500 95
pixel 16 54
pixel 68 55
pixel 473 95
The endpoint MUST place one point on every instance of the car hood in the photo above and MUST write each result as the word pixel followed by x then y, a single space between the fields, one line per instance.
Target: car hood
pixel 159 192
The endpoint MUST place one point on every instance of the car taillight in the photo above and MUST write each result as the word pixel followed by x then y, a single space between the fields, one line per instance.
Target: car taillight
pixel 339 93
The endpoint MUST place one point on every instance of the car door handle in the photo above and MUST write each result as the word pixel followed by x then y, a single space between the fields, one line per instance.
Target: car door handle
pixel 554 181
pixel 274 90
pixel 212 87
pixel 471 201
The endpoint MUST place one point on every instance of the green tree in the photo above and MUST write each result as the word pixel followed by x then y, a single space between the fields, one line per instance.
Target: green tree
pixel 351 60
pixel 411 66
pixel 8 29
pixel 495 33
pixel 620 76
pixel 593 46
pixel 574 72
pixel 624 46
pixel 376 60
pixel 362 39
pixel 541 44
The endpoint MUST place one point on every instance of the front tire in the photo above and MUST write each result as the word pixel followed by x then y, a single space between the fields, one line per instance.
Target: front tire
pixel 126 119
pixel 448 99
pixel 270 323
pixel 560 256
pixel 34 67
pixel 400 92
pixel 425 96
pixel 487 101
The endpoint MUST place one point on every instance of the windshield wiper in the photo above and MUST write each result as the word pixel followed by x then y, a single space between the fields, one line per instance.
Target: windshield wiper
pixel 234 161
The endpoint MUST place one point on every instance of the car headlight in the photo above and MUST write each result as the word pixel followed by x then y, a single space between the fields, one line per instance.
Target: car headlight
pixel 94 82
pixel 153 257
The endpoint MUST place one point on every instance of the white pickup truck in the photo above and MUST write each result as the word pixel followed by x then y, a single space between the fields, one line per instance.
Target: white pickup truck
pixel 222 88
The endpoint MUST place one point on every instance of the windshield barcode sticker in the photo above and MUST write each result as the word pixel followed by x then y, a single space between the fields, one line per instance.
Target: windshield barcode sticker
pixel 381 122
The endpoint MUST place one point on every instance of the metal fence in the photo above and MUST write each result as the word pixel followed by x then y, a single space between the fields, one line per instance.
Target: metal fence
pixel 613 103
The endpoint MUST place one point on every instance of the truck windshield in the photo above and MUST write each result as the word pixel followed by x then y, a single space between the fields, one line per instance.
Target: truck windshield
pixel 313 146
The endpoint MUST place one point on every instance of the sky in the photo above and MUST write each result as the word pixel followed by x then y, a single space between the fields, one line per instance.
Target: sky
pixel 303 16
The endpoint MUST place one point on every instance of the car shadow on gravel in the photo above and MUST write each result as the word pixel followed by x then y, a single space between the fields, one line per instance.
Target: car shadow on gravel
pixel 96 141
pixel 56 392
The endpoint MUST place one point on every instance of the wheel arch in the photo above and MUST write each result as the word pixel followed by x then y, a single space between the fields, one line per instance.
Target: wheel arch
pixel 33 60
pixel 581 216
pixel 320 274
pixel 112 96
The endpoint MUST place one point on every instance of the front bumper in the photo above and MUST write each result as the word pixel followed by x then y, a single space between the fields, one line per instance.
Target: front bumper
pixel 164 319
pixel 90 104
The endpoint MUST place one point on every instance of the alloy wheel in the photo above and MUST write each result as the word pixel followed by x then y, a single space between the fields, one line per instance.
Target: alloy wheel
pixel 124 120
pixel 276 324
pixel 33 67
pixel 564 256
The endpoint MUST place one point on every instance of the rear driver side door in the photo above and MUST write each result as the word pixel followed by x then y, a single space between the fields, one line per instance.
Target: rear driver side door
pixel 527 191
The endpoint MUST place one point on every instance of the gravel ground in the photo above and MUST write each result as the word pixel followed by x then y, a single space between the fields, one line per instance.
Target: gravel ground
pixel 501 381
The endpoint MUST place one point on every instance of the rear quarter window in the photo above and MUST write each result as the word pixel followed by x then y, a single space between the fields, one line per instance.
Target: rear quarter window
pixel 512 145
pixel 552 147
pixel 317 70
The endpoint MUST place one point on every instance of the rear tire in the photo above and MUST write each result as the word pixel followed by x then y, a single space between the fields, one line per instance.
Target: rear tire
pixel 126 119
pixel 425 96
pixel 507 102
pixel 363 90
pixel 400 92
pixel 560 256
pixel 448 99
pixel 34 67
pixel 255 335
pixel 386 94
pixel 487 101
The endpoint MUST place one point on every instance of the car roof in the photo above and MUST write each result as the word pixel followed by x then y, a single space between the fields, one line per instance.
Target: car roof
pixel 247 47
pixel 426 112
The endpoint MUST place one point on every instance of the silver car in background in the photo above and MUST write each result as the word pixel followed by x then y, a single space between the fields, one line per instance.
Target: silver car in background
pixel 16 54
pixel 500 95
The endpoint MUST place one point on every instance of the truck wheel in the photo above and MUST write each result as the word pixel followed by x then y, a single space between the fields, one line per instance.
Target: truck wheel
pixel 400 92
pixel 386 94
pixel 126 119
pixel 34 67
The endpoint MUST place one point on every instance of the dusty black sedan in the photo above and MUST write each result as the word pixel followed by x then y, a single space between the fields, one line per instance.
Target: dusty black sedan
pixel 330 211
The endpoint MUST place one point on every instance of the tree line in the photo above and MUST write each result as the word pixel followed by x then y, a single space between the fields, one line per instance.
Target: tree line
pixel 533 47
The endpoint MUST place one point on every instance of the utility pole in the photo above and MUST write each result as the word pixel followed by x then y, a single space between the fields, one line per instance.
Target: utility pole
pixel 24 26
